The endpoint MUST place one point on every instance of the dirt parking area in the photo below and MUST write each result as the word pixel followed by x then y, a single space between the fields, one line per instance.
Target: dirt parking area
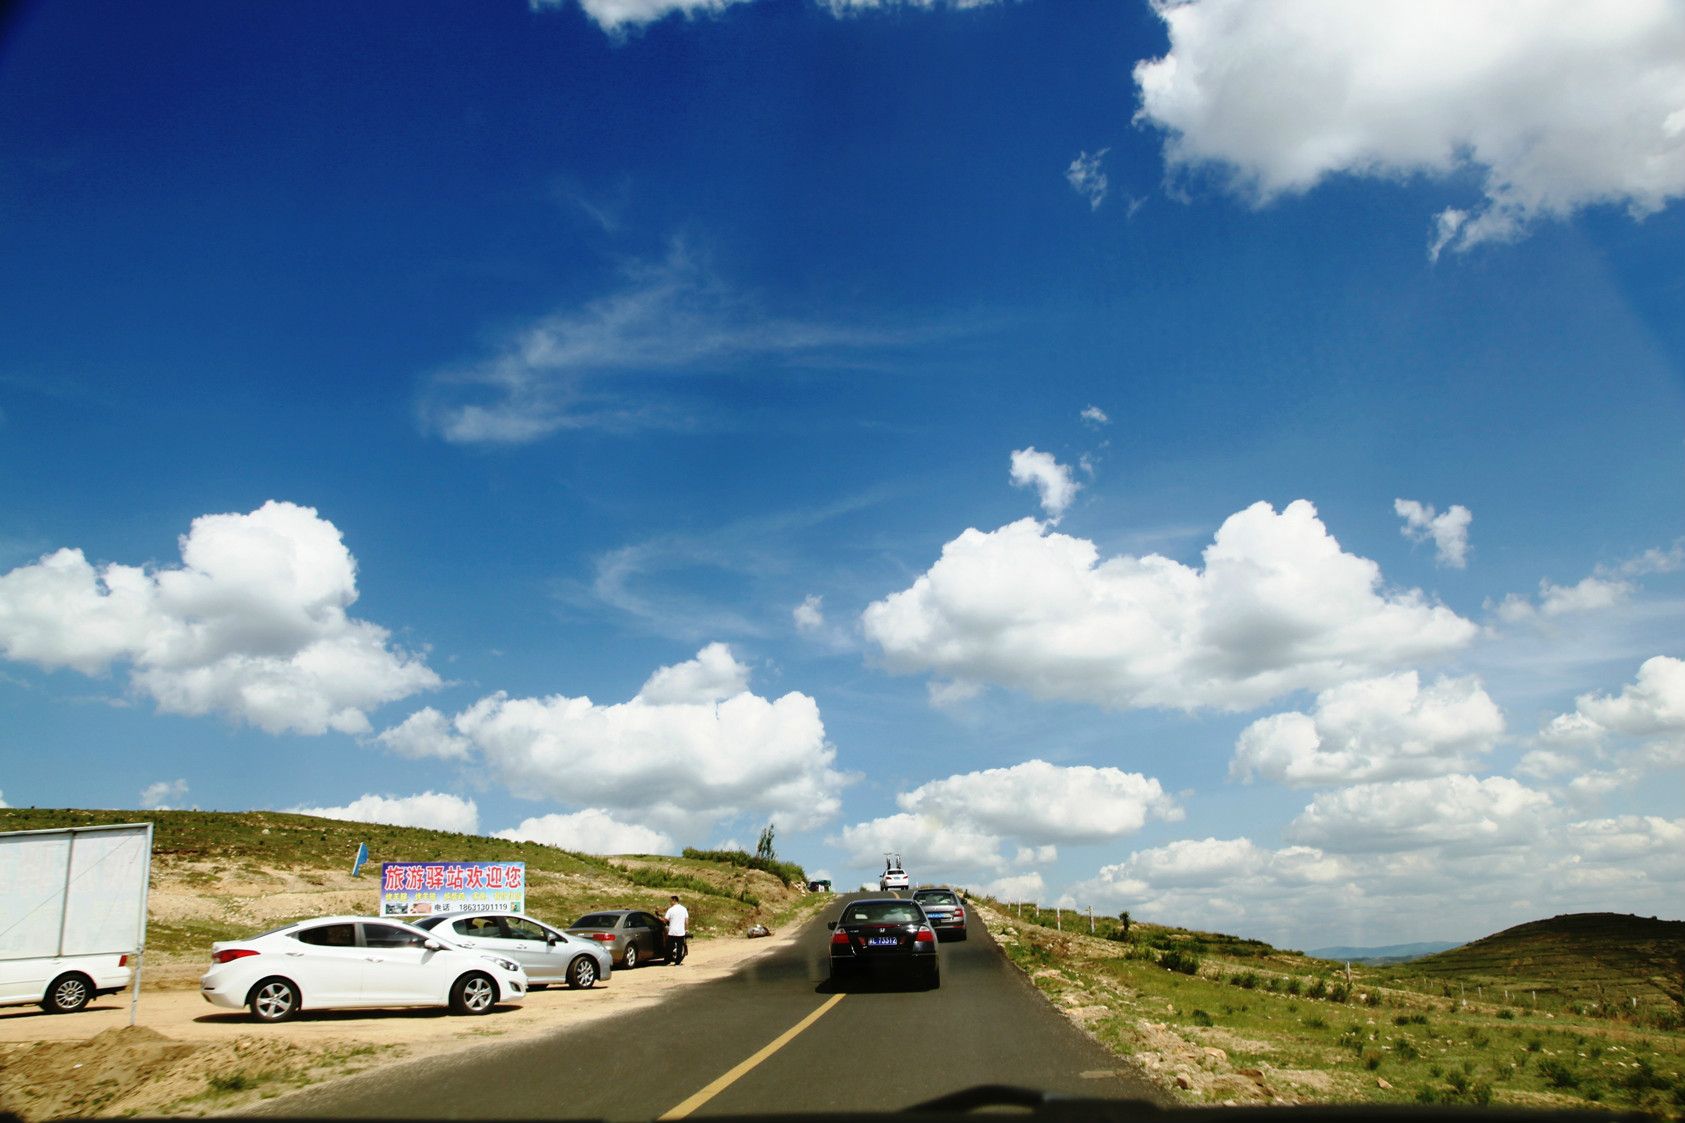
pixel 186 1057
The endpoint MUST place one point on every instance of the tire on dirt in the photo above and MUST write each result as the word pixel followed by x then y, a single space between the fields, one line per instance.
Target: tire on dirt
pixel 473 993
pixel 582 973
pixel 68 994
pixel 274 1000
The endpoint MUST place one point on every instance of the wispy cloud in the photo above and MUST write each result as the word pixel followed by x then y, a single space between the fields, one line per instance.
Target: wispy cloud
pixel 654 581
pixel 589 367
pixel 617 17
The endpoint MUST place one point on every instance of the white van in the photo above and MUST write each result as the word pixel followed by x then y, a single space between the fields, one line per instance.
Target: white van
pixel 62 984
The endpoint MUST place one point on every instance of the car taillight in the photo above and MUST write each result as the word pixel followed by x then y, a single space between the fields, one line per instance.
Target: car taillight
pixel 959 914
pixel 122 961
pixel 605 937
pixel 229 955
pixel 924 936
pixel 839 937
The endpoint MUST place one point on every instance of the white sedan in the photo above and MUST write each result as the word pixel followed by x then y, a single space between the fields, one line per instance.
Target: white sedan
pixel 355 961
pixel 547 956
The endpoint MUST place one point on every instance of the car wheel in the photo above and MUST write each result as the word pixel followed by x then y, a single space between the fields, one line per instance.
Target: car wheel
pixel 68 994
pixel 582 973
pixel 474 993
pixel 273 1000
pixel 933 977
pixel 631 956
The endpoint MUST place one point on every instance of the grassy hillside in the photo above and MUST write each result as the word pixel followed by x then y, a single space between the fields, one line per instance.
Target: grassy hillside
pixel 1587 960
pixel 1223 1019
pixel 220 875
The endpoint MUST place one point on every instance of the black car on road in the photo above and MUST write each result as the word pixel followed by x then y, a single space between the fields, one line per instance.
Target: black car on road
pixel 883 937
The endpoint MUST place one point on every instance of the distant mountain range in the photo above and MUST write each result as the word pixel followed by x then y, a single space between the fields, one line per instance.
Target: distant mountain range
pixel 1389 953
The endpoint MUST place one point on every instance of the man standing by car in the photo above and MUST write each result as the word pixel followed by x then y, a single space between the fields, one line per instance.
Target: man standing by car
pixel 678 919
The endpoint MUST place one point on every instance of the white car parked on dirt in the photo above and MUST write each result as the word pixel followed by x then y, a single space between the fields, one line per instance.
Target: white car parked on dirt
pixel 355 961
pixel 61 984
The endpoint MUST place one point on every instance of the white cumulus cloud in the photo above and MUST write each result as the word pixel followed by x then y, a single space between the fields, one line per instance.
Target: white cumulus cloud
pixel 1651 708
pixel 695 746
pixel 810 614
pixel 1039 802
pixel 591 831
pixel 1052 481
pixel 1385 728
pixel 1453 813
pixel 931 848
pixel 435 810
pixel 713 676
pixel 1449 532
pixel 252 624
pixel 161 795
pixel 1279 606
pixel 426 734
pixel 1556 105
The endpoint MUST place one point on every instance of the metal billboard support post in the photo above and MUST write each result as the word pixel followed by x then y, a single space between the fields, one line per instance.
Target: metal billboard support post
pixel 140 952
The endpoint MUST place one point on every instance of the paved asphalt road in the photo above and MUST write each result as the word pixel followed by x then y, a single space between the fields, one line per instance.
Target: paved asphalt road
pixel 868 1049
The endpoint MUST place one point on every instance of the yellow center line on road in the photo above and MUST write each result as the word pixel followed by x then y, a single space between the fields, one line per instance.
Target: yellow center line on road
pixel 741 1069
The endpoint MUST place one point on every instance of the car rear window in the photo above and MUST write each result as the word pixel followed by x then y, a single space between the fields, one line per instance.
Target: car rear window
pixel 598 920
pixel 937 898
pixel 884 912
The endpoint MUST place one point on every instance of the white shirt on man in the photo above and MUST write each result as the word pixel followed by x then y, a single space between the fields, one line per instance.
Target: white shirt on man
pixel 676 917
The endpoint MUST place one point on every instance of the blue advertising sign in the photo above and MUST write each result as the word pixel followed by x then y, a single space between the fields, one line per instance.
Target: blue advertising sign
pixel 423 888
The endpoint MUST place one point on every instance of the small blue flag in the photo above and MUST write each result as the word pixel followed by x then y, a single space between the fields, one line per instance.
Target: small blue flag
pixel 362 856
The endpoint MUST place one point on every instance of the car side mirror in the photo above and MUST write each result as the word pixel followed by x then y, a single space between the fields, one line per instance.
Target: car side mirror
pixel 552 939
pixel 831 924
pixel 433 945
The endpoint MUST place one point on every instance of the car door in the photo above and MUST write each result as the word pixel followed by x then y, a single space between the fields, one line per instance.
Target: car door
pixel 327 964
pixel 400 970
pixel 528 943
pixel 649 934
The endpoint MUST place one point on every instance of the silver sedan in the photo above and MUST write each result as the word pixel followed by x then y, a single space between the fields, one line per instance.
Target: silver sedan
pixel 547 955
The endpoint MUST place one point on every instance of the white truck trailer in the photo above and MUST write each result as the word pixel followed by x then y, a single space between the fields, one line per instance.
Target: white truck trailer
pixel 72 913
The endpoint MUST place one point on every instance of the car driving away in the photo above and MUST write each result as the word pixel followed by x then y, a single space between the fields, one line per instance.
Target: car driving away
pixel 351 962
pixel 631 936
pixel 546 954
pixel 943 908
pixel 894 875
pixel 887 937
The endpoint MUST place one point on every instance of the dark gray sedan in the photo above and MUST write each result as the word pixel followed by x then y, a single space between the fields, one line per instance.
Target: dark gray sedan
pixel 945 910
pixel 631 936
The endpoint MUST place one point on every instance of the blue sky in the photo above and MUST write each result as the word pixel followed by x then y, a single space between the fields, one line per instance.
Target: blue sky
pixel 1221 460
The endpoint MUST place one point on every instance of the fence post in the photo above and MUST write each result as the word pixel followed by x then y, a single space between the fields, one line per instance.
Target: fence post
pixel 1091 920
pixel 1058 919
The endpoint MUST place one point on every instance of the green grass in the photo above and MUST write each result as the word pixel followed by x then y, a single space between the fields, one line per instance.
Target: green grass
pixel 1352 1035
pixel 1596 964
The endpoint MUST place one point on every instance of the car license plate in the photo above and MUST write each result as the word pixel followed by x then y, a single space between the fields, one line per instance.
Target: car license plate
pixel 882 941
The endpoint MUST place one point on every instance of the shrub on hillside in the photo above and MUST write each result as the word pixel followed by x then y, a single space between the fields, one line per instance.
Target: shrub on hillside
pixel 788 872
pixel 1178 960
